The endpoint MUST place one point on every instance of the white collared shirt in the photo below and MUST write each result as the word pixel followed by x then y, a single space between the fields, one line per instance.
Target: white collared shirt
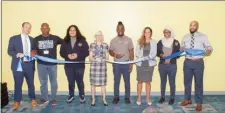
pixel 26 38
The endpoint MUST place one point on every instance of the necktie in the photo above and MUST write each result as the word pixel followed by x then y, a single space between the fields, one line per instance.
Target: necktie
pixel 26 46
pixel 192 41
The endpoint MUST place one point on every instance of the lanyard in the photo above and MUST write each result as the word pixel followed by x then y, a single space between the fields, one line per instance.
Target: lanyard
pixel 99 49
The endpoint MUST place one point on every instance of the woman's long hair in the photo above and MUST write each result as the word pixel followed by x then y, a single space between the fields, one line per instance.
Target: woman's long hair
pixel 142 39
pixel 79 36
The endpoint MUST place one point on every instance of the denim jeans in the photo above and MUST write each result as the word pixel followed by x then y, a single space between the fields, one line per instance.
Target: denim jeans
pixel 43 72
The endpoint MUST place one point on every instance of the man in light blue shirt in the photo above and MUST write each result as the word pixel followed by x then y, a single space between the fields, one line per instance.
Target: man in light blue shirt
pixel 194 65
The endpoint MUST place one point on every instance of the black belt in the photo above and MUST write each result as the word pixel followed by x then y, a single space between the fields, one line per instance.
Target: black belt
pixel 26 62
pixel 166 63
pixel 197 59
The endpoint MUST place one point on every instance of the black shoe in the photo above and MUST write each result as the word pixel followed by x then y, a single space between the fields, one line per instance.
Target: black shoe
pixel 127 100
pixel 105 104
pixel 116 100
pixel 92 104
pixel 171 102
pixel 161 100
pixel 82 99
pixel 70 99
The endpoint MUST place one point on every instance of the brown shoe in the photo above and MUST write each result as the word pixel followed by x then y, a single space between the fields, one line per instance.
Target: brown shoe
pixel 16 105
pixel 185 103
pixel 198 107
pixel 54 103
pixel 33 103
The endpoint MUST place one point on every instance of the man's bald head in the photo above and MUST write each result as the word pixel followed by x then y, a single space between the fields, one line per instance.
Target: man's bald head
pixel 45 29
pixel 44 24
pixel 193 26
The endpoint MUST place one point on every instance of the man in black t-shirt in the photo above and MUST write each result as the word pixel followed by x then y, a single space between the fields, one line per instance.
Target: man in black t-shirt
pixel 46 45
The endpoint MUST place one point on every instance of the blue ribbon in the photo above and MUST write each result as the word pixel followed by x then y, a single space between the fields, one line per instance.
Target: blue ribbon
pixel 179 53
pixel 51 60
pixel 195 52
pixel 192 52
pixel 19 66
pixel 132 61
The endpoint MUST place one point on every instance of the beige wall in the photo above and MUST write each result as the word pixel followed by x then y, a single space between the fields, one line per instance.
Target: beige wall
pixel 93 16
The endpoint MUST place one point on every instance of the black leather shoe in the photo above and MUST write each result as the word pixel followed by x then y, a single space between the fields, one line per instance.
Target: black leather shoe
pixel 105 104
pixel 161 100
pixel 116 100
pixel 127 100
pixel 171 102
pixel 93 104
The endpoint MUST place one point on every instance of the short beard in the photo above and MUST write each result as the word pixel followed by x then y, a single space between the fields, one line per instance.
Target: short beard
pixel 192 32
pixel 47 34
pixel 120 35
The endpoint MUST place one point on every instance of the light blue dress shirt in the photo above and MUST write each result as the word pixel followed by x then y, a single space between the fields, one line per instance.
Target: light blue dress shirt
pixel 200 42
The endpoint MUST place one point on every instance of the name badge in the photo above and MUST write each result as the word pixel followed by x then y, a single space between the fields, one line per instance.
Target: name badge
pixel 46 52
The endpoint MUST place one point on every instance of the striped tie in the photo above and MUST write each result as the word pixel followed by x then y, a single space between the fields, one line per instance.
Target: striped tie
pixel 26 46
pixel 192 41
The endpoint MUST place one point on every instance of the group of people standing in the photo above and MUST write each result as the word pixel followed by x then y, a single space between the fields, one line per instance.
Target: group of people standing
pixel 74 47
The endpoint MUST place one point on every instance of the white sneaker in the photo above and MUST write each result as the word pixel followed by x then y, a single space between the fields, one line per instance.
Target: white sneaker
pixel 70 99
pixel 138 103
pixel 44 104
pixel 82 100
pixel 149 103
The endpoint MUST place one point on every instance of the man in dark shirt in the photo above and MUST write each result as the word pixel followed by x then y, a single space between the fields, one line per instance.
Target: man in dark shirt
pixel 46 45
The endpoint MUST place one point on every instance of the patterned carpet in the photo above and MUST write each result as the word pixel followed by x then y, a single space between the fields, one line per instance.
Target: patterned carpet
pixel 212 104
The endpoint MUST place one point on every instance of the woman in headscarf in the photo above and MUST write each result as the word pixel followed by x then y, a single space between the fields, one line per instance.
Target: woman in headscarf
pixel 98 70
pixel 165 47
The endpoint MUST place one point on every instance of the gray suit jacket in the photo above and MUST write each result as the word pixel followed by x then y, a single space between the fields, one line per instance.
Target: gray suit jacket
pixel 152 54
